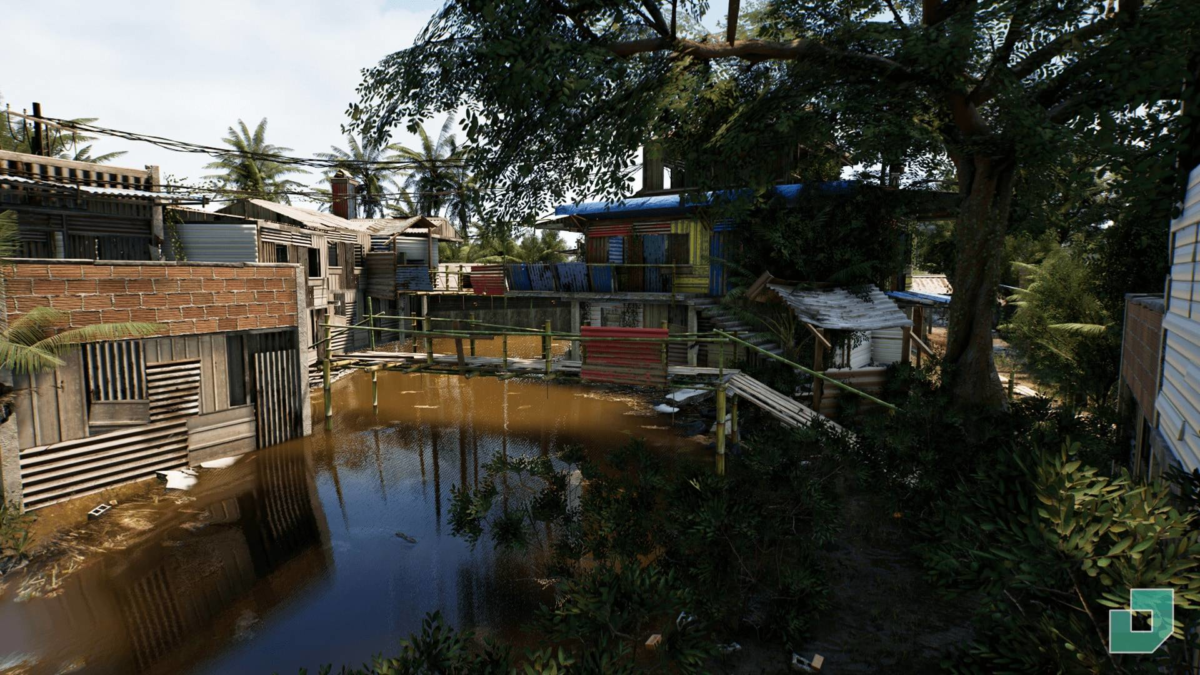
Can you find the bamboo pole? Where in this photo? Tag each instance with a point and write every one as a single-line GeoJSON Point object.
{"type": "Point", "coordinates": [471, 324]}
{"type": "Point", "coordinates": [504, 353]}
{"type": "Point", "coordinates": [546, 346]}
{"type": "Point", "coordinates": [721, 429]}
{"type": "Point", "coordinates": [328, 385]}
{"type": "Point", "coordinates": [374, 373]}
{"type": "Point", "coordinates": [664, 345]}
{"type": "Point", "coordinates": [733, 422]}
{"type": "Point", "coordinates": [428, 344]}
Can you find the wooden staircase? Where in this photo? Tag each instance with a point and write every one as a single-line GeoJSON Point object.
{"type": "Point", "coordinates": [715, 315]}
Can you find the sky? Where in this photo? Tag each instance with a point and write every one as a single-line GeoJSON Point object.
{"type": "Point", "coordinates": [188, 70]}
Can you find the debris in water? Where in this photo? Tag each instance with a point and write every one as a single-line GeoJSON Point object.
{"type": "Point", "coordinates": [410, 391]}
{"type": "Point", "coordinates": [652, 427]}
{"type": "Point", "coordinates": [522, 407]}
{"type": "Point", "coordinates": [665, 409]}
{"type": "Point", "coordinates": [183, 479]}
{"type": "Point", "coordinates": [99, 511]}
{"type": "Point", "coordinates": [405, 537]}
{"type": "Point", "coordinates": [803, 665]}
{"type": "Point", "coordinates": [223, 463]}
{"type": "Point", "coordinates": [425, 407]}
{"type": "Point", "coordinates": [685, 395]}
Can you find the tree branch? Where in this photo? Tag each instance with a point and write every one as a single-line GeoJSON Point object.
{"type": "Point", "coordinates": [660, 23]}
{"type": "Point", "coordinates": [757, 50]}
{"type": "Point", "coordinates": [895, 14]}
{"type": "Point", "coordinates": [1056, 47]}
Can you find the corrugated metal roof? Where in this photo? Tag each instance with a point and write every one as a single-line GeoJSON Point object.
{"type": "Point", "coordinates": [919, 298]}
{"type": "Point", "coordinates": [309, 218]}
{"type": "Point", "coordinates": [91, 189]}
{"type": "Point", "coordinates": [839, 309]}
{"type": "Point", "coordinates": [441, 227]}
{"type": "Point", "coordinates": [679, 204]}
{"type": "Point", "coordinates": [933, 284]}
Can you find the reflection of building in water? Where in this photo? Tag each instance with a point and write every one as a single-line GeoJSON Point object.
{"type": "Point", "coordinates": [260, 538]}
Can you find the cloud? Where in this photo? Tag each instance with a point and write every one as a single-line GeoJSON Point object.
{"type": "Point", "coordinates": [188, 70]}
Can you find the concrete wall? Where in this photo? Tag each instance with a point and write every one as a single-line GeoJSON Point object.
{"type": "Point", "coordinates": [522, 313]}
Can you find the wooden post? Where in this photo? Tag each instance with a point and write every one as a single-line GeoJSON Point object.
{"type": "Point", "coordinates": [328, 383]}
{"type": "Point", "coordinates": [721, 360]}
{"type": "Point", "coordinates": [504, 352]}
{"type": "Point", "coordinates": [918, 328]}
{"type": "Point", "coordinates": [693, 327]}
{"type": "Point", "coordinates": [428, 343]}
{"type": "Point", "coordinates": [906, 343]}
{"type": "Point", "coordinates": [721, 429]}
{"type": "Point", "coordinates": [818, 386]}
{"type": "Point", "coordinates": [546, 347]}
{"type": "Point", "coordinates": [458, 350]}
{"type": "Point", "coordinates": [374, 373]}
{"type": "Point", "coordinates": [471, 327]}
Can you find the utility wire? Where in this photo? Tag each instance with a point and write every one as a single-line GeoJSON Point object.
{"type": "Point", "coordinates": [196, 148]}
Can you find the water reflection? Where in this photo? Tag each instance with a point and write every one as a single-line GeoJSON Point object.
{"type": "Point", "coordinates": [292, 557]}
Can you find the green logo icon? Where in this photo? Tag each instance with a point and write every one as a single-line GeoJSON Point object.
{"type": "Point", "coordinates": [1159, 603]}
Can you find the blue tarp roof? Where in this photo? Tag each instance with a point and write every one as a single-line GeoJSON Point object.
{"type": "Point", "coordinates": [678, 204]}
{"type": "Point", "coordinates": [919, 298]}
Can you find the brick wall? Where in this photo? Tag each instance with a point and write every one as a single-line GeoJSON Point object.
{"type": "Point", "coordinates": [187, 298]}
{"type": "Point", "coordinates": [1140, 354]}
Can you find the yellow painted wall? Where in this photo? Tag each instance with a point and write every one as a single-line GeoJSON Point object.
{"type": "Point", "coordinates": [697, 281]}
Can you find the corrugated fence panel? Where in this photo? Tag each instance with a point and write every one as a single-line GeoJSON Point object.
{"type": "Point", "coordinates": [887, 346]}
{"type": "Point", "coordinates": [602, 279]}
{"type": "Point", "coordinates": [53, 473]}
{"type": "Point", "coordinates": [573, 277]}
{"type": "Point", "coordinates": [696, 280]}
{"type": "Point", "coordinates": [487, 279]}
{"type": "Point", "coordinates": [219, 242]}
{"type": "Point", "coordinates": [654, 247]}
{"type": "Point", "coordinates": [541, 277]}
{"type": "Point", "coordinates": [623, 361]}
{"type": "Point", "coordinates": [174, 389]}
{"type": "Point", "coordinates": [518, 277]}
{"type": "Point", "coordinates": [115, 370]}
{"type": "Point", "coordinates": [276, 398]}
{"type": "Point", "coordinates": [413, 278]}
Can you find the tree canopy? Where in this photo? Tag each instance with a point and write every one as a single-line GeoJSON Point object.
{"type": "Point", "coordinates": [980, 96]}
{"type": "Point", "coordinates": [250, 173]}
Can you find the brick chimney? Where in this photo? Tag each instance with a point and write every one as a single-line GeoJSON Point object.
{"type": "Point", "coordinates": [345, 199]}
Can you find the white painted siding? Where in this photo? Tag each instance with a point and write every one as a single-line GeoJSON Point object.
{"type": "Point", "coordinates": [886, 346]}
{"type": "Point", "coordinates": [1178, 402]}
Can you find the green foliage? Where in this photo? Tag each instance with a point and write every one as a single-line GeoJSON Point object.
{"type": "Point", "coordinates": [438, 649]}
{"type": "Point", "coordinates": [358, 161]}
{"type": "Point", "coordinates": [439, 182]}
{"type": "Point", "coordinates": [16, 135]}
{"type": "Point", "coordinates": [821, 237]}
{"type": "Point", "coordinates": [14, 534]}
{"type": "Point", "coordinates": [1063, 331]}
{"type": "Point", "coordinates": [546, 247]}
{"type": "Point", "coordinates": [35, 343]}
{"type": "Point", "coordinates": [252, 172]}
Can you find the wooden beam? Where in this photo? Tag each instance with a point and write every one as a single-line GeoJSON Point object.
{"type": "Point", "coordinates": [920, 343]}
{"type": "Point", "coordinates": [817, 334]}
{"type": "Point", "coordinates": [731, 28]}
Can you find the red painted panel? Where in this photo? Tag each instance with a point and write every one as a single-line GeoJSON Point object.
{"type": "Point", "coordinates": [623, 361]}
{"type": "Point", "coordinates": [488, 280]}
{"type": "Point", "coordinates": [610, 230]}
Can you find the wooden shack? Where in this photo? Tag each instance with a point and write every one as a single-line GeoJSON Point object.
{"type": "Point", "coordinates": [81, 210]}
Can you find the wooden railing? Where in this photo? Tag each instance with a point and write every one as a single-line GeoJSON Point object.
{"type": "Point", "coordinates": [75, 173]}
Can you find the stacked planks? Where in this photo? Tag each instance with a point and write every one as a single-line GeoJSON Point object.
{"type": "Point", "coordinates": [781, 407]}
{"type": "Point", "coordinates": [624, 361]}
{"type": "Point", "coordinates": [869, 380]}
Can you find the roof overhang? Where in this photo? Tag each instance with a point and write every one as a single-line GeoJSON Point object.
{"type": "Point", "coordinates": [842, 309]}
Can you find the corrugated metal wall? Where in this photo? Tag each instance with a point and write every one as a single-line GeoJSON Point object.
{"type": "Point", "coordinates": [219, 242]}
{"type": "Point", "coordinates": [887, 346]}
{"type": "Point", "coordinates": [1178, 403]}
{"type": "Point", "coordinates": [697, 280]}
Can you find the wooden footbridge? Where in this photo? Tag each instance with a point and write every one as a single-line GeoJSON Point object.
{"type": "Point", "coordinates": [635, 356]}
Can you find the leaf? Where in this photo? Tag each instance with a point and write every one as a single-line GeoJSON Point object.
{"type": "Point", "coordinates": [1120, 546]}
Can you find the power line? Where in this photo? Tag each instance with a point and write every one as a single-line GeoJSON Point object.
{"type": "Point", "coordinates": [197, 148]}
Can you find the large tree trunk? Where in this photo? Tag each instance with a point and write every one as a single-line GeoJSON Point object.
{"type": "Point", "coordinates": [969, 371]}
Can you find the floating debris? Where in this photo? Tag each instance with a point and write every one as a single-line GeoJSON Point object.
{"type": "Point", "coordinates": [652, 427]}
{"type": "Point", "coordinates": [425, 407]}
{"type": "Point", "coordinates": [405, 537]}
{"type": "Point", "coordinates": [183, 479]}
{"type": "Point", "coordinates": [685, 395]}
{"type": "Point", "coordinates": [665, 409]}
{"type": "Point", "coordinates": [409, 391]}
{"type": "Point", "coordinates": [99, 511]}
{"type": "Point", "coordinates": [802, 665]}
{"type": "Point", "coordinates": [223, 463]}
{"type": "Point", "coordinates": [522, 407]}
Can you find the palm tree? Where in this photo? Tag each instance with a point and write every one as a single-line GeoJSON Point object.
{"type": "Point", "coordinates": [439, 182]}
{"type": "Point", "coordinates": [358, 161]}
{"type": "Point", "coordinates": [31, 344]}
{"type": "Point", "coordinates": [250, 172]}
{"type": "Point", "coordinates": [17, 136]}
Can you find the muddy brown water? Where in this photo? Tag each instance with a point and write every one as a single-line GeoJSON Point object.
{"type": "Point", "coordinates": [290, 557]}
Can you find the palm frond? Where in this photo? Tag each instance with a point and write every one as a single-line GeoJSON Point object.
{"type": "Point", "coordinates": [26, 359]}
{"type": "Point", "coordinates": [9, 234]}
{"type": "Point", "coordinates": [60, 342]}
{"type": "Point", "coordinates": [1089, 329]}
{"type": "Point", "coordinates": [31, 328]}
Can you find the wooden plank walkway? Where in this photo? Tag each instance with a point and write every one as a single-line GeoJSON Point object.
{"type": "Point", "coordinates": [786, 410]}
{"type": "Point", "coordinates": [495, 365]}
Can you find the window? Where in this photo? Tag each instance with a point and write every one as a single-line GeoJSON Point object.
{"type": "Point", "coordinates": [236, 361]}
{"type": "Point", "coordinates": [314, 262]}
{"type": "Point", "coordinates": [281, 253]}
{"type": "Point", "coordinates": [333, 256]}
